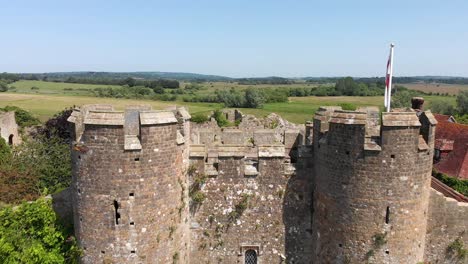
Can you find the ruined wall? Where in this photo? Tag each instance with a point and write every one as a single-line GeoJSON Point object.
{"type": "Point", "coordinates": [447, 221]}
{"type": "Point", "coordinates": [130, 190]}
{"type": "Point", "coordinates": [370, 194]}
{"type": "Point", "coordinates": [9, 128]}
{"type": "Point", "coordinates": [276, 217]}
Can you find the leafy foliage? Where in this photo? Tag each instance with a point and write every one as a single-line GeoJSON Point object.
{"type": "Point", "coordinates": [5, 151]}
{"type": "Point", "coordinates": [57, 126]}
{"type": "Point", "coordinates": [40, 165]}
{"type": "Point", "coordinates": [457, 248]}
{"type": "Point", "coordinates": [441, 107]}
{"type": "Point", "coordinates": [48, 159]}
{"type": "Point", "coordinates": [458, 185]}
{"type": "Point", "coordinates": [254, 98]}
{"type": "Point", "coordinates": [402, 97]}
{"type": "Point", "coordinates": [3, 86]}
{"type": "Point", "coordinates": [220, 118]}
{"type": "Point", "coordinates": [462, 102]}
{"type": "Point", "coordinates": [239, 208]}
{"type": "Point", "coordinates": [30, 233]}
{"type": "Point", "coordinates": [23, 117]}
{"type": "Point", "coordinates": [199, 118]}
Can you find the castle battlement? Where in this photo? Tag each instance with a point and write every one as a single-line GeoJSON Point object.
{"type": "Point", "coordinates": [367, 128]}
{"type": "Point", "coordinates": [131, 120]}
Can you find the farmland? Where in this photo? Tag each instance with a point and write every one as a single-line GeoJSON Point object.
{"type": "Point", "coordinates": [49, 97]}
{"type": "Point", "coordinates": [440, 88]}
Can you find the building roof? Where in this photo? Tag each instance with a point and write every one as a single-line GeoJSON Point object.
{"type": "Point", "coordinates": [456, 162]}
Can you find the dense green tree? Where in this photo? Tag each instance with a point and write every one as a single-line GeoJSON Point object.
{"type": "Point", "coordinates": [3, 86]}
{"type": "Point", "coordinates": [462, 102]}
{"type": "Point", "coordinates": [231, 98]}
{"type": "Point", "coordinates": [48, 159]}
{"type": "Point", "coordinates": [441, 107]}
{"type": "Point", "coordinates": [31, 234]}
{"type": "Point", "coordinates": [401, 99]}
{"type": "Point", "coordinates": [254, 98]}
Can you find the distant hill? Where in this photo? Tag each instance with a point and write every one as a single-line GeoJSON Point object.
{"type": "Point", "coordinates": [196, 77]}
{"type": "Point", "coordinates": [138, 75]}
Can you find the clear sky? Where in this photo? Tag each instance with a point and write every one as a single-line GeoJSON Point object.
{"type": "Point", "coordinates": [237, 38]}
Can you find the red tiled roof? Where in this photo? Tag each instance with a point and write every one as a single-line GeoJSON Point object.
{"type": "Point", "coordinates": [444, 144]}
{"type": "Point", "coordinates": [456, 162]}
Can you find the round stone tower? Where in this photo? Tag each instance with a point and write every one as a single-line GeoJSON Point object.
{"type": "Point", "coordinates": [129, 185]}
{"type": "Point", "coordinates": [371, 185]}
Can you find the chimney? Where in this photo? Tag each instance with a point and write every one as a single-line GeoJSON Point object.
{"type": "Point", "coordinates": [417, 103]}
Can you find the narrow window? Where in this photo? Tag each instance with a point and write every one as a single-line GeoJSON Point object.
{"type": "Point", "coordinates": [131, 194]}
{"type": "Point", "coordinates": [10, 140]}
{"type": "Point", "coordinates": [103, 252]}
{"type": "Point", "coordinates": [137, 159]}
{"type": "Point", "coordinates": [250, 257]}
{"type": "Point", "coordinates": [387, 215]}
{"type": "Point", "coordinates": [132, 223]}
{"type": "Point", "coordinates": [117, 214]}
{"type": "Point", "coordinates": [133, 251]}
{"type": "Point", "coordinates": [387, 252]}
{"type": "Point", "coordinates": [392, 156]}
{"type": "Point", "coordinates": [347, 152]}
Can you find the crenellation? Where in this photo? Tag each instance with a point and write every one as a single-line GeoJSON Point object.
{"type": "Point", "coordinates": [349, 187]}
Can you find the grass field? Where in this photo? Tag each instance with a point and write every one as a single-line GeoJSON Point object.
{"type": "Point", "coordinates": [45, 106]}
{"type": "Point", "coordinates": [451, 89]}
{"type": "Point", "coordinates": [24, 86]}
{"type": "Point", "coordinates": [51, 98]}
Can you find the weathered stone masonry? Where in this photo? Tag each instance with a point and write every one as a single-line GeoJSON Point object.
{"type": "Point", "coordinates": [347, 188]}
{"type": "Point", "coordinates": [130, 201]}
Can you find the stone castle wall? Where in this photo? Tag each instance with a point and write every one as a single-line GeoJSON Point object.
{"type": "Point", "coordinates": [370, 191]}
{"type": "Point", "coordinates": [276, 221]}
{"type": "Point", "coordinates": [130, 190]}
{"type": "Point", "coordinates": [9, 128]}
{"type": "Point", "coordinates": [447, 221]}
{"type": "Point", "coordinates": [345, 189]}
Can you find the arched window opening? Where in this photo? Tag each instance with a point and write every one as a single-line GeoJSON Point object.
{"type": "Point", "coordinates": [10, 140]}
{"type": "Point", "coordinates": [250, 257]}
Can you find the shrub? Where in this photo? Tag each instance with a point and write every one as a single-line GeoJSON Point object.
{"type": "Point", "coordinates": [200, 118]}
{"type": "Point", "coordinates": [48, 159]}
{"type": "Point", "coordinates": [5, 152]}
{"type": "Point", "coordinates": [31, 234]}
{"type": "Point", "coordinates": [348, 106]}
{"type": "Point", "coordinates": [57, 126]}
{"type": "Point", "coordinates": [458, 185]}
{"type": "Point", "coordinates": [220, 118]}
{"type": "Point", "coordinates": [3, 86]}
{"type": "Point", "coordinates": [457, 248]}
{"type": "Point", "coordinates": [254, 98]}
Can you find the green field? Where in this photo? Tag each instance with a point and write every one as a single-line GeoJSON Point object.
{"type": "Point", "coordinates": [51, 98]}
{"type": "Point", "coordinates": [59, 88]}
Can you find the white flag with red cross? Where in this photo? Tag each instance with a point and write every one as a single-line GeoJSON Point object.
{"type": "Point", "coordinates": [388, 79]}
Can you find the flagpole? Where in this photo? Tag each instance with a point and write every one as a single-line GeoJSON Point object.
{"type": "Point", "coordinates": [389, 93]}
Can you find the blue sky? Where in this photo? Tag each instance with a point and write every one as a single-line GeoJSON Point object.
{"type": "Point", "coordinates": [236, 38]}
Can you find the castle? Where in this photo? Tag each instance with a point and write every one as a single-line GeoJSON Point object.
{"type": "Point", "coordinates": [350, 187]}
{"type": "Point", "coordinates": [9, 128]}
